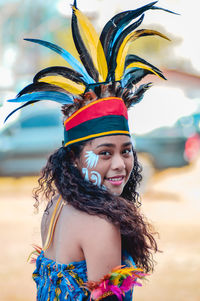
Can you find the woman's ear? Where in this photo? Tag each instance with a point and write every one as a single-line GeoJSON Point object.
{"type": "Point", "coordinates": [74, 160]}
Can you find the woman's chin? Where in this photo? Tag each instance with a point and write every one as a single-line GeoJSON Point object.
{"type": "Point", "coordinates": [114, 190]}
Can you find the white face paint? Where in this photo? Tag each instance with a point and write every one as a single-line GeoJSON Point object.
{"type": "Point", "coordinates": [95, 177]}
{"type": "Point", "coordinates": [91, 159]}
{"type": "Point", "coordinates": [85, 172]}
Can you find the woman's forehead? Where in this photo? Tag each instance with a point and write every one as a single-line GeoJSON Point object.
{"type": "Point", "coordinates": [112, 141]}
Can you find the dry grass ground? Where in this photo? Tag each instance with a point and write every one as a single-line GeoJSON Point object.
{"type": "Point", "coordinates": [171, 203]}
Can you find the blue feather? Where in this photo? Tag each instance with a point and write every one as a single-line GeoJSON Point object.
{"type": "Point", "coordinates": [67, 56]}
{"type": "Point", "coordinates": [24, 105]}
{"type": "Point", "coordinates": [134, 75]}
{"type": "Point", "coordinates": [119, 31]}
{"type": "Point", "coordinates": [166, 10]}
{"type": "Point", "coordinates": [37, 96]}
{"type": "Point", "coordinates": [45, 95]}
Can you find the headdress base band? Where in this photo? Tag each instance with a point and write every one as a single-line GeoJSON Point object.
{"type": "Point", "coordinates": [97, 136]}
{"type": "Point", "coordinates": [106, 116]}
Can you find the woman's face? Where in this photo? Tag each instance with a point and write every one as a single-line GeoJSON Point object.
{"type": "Point", "coordinates": [107, 162]}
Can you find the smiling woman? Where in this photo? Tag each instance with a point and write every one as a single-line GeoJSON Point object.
{"type": "Point", "coordinates": [97, 180]}
{"type": "Point", "coordinates": [96, 243]}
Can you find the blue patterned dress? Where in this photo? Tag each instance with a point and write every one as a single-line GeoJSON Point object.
{"type": "Point", "coordinates": [63, 282]}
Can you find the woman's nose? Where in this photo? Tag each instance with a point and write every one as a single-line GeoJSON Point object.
{"type": "Point", "coordinates": [118, 162]}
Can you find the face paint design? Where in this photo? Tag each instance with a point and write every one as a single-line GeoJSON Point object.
{"type": "Point", "coordinates": [96, 177]}
{"type": "Point", "coordinates": [92, 159]}
{"type": "Point", "coordinates": [85, 172]}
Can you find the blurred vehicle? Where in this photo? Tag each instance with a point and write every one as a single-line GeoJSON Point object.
{"type": "Point", "coordinates": [173, 146]}
{"type": "Point", "coordinates": [192, 145]}
{"type": "Point", "coordinates": [26, 143]}
{"type": "Point", "coordinates": [163, 147]}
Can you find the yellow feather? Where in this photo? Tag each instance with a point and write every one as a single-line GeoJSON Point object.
{"type": "Point", "coordinates": [116, 280]}
{"type": "Point", "coordinates": [123, 50]}
{"type": "Point", "coordinates": [128, 271]}
{"type": "Point", "coordinates": [94, 44]}
{"type": "Point", "coordinates": [64, 83]}
{"type": "Point", "coordinates": [142, 66]}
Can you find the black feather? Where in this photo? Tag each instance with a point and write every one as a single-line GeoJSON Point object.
{"type": "Point", "coordinates": [75, 4]}
{"type": "Point", "coordinates": [134, 76]}
{"type": "Point", "coordinates": [131, 58]}
{"type": "Point", "coordinates": [118, 22]}
{"type": "Point", "coordinates": [138, 95]}
{"type": "Point", "coordinates": [82, 50]}
{"type": "Point", "coordinates": [39, 86]}
{"type": "Point", "coordinates": [59, 70]}
{"type": "Point", "coordinates": [112, 63]}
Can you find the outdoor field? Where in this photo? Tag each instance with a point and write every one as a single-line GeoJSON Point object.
{"type": "Point", "coordinates": [172, 204]}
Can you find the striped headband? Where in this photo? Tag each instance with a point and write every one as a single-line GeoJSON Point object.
{"type": "Point", "coordinates": [103, 117]}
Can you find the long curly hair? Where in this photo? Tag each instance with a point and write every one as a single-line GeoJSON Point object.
{"type": "Point", "coordinates": [61, 176]}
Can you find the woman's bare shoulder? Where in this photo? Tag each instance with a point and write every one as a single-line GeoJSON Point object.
{"type": "Point", "coordinates": [100, 241]}
{"type": "Point", "coordinates": [86, 220]}
{"type": "Point", "coordinates": [87, 225]}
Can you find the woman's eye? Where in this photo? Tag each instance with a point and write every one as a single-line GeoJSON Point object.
{"type": "Point", "coordinates": [127, 151]}
{"type": "Point", "coordinates": [105, 153]}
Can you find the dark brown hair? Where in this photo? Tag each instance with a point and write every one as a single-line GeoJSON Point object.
{"type": "Point", "coordinates": [61, 176]}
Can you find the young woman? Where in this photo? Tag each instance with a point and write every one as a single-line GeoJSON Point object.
{"type": "Point", "coordinates": [96, 243]}
{"type": "Point", "coordinates": [92, 223]}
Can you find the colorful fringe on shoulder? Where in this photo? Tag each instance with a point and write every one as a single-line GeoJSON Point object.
{"type": "Point", "coordinates": [34, 254]}
{"type": "Point", "coordinates": [119, 281]}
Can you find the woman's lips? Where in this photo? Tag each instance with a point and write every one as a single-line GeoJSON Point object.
{"type": "Point", "coordinates": [117, 180]}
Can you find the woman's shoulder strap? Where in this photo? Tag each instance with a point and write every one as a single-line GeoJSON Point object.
{"type": "Point", "coordinates": [60, 203]}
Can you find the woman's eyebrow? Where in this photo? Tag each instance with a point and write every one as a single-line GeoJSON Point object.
{"type": "Point", "coordinates": [127, 143]}
{"type": "Point", "coordinates": [106, 144]}
{"type": "Point", "coordinates": [113, 145]}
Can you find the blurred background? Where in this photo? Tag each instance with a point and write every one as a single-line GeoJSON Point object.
{"type": "Point", "coordinates": [165, 128]}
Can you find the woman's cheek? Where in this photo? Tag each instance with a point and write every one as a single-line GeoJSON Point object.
{"type": "Point", "coordinates": [89, 172]}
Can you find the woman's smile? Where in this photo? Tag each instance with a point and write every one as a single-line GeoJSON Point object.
{"type": "Point", "coordinates": [117, 180]}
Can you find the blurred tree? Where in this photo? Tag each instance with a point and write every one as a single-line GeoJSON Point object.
{"type": "Point", "coordinates": [25, 19]}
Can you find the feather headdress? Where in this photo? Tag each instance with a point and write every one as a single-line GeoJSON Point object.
{"type": "Point", "coordinates": [105, 61]}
